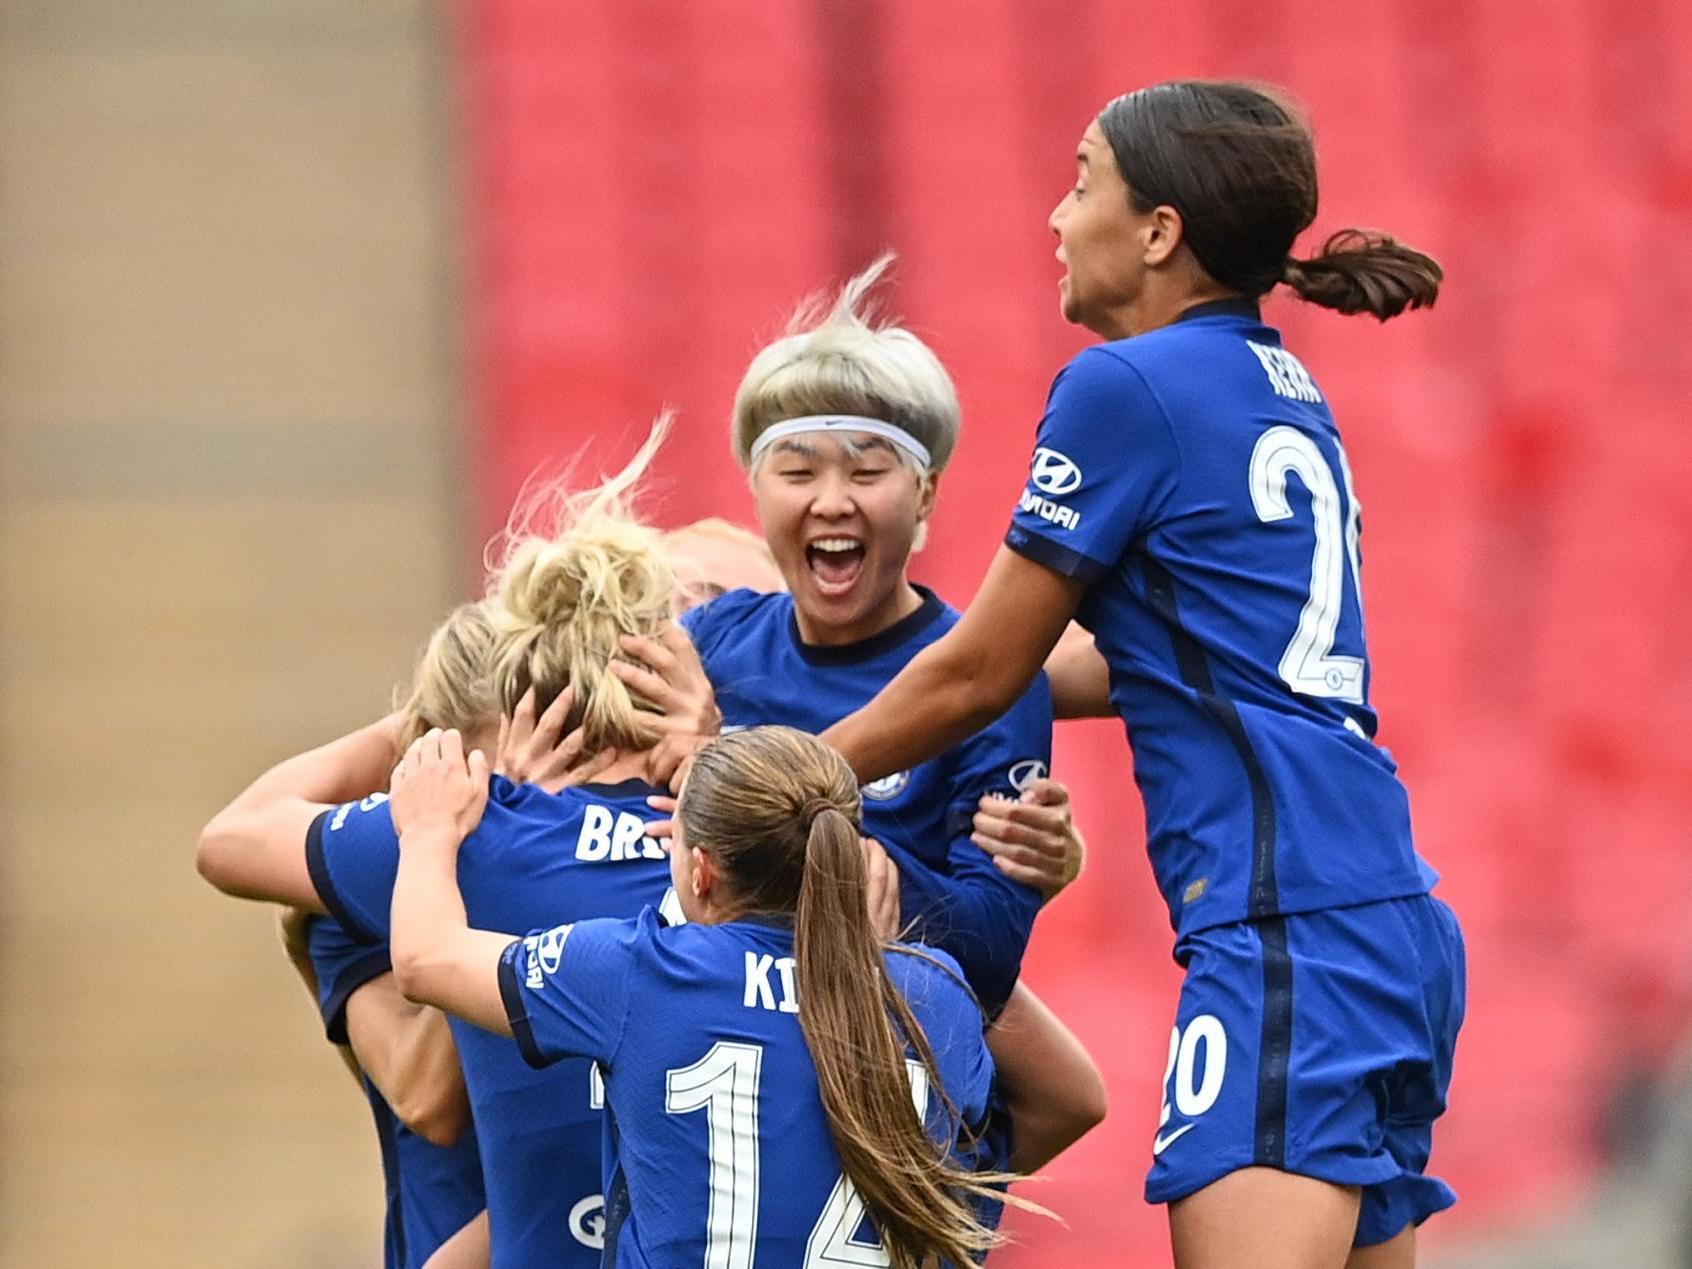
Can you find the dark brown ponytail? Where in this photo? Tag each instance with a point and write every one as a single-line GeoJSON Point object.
{"type": "Point", "coordinates": [1357, 271]}
{"type": "Point", "coordinates": [780, 812]}
{"type": "Point", "coordinates": [1239, 164]}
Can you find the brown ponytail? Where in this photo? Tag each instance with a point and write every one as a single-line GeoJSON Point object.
{"type": "Point", "coordinates": [780, 812]}
{"type": "Point", "coordinates": [857, 1024]}
{"type": "Point", "coordinates": [1362, 271]}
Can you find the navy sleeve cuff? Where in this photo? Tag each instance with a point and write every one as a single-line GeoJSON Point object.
{"type": "Point", "coordinates": [318, 866]}
{"type": "Point", "coordinates": [365, 969]}
{"type": "Point", "coordinates": [1060, 559]}
{"type": "Point", "coordinates": [511, 995]}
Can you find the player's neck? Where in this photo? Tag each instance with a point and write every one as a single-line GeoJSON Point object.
{"type": "Point", "coordinates": [1161, 300]}
{"type": "Point", "coordinates": [900, 603]}
{"type": "Point", "coordinates": [630, 766]}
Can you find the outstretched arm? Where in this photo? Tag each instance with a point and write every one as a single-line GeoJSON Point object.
{"type": "Point", "coordinates": [438, 799]}
{"type": "Point", "coordinates": [963, 681]}
{"type": "Point", "coordinates": [254, 848]}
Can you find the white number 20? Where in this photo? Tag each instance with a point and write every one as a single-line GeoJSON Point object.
{"type": "Point", "coordinates": [1194, 1095]}
{"type": "Point", "coordinates": [1309, 665]}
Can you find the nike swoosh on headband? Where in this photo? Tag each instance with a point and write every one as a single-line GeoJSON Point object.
{"type": "Point", "coordinates": [891, 432]}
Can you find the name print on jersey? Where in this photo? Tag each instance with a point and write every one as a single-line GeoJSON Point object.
{"type": "Point", "coordinates": [761, 992]}
{"type": "Point", "coordinates": [609, 836]}
{"type": "Point", "coordinates": [1286, 372]}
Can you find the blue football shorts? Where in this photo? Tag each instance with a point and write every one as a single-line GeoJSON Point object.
{"type": "Point", "coordinates": [1320, 1044]}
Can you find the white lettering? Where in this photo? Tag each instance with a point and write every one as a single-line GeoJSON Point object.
{"type": "Point", "coordinates": [1287, 375]}
{"type": "Point", "coordinates": [789, 993]}
{"type": "Point", "coordinates": [625, 840]}
{"type": "Point", "coordinates": [594, 844]}
{"type": "Point", "coordinates": [1052, 512]}
{"type": "Point", "coordinates": [758, 993]}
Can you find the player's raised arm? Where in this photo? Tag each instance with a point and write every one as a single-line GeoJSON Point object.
{"type": "Point", "coordinates": [255, 847]}
{"type": "Point", "coordinates": [438, 799]}
{"type": "Point", "coordinates": [967, 678]}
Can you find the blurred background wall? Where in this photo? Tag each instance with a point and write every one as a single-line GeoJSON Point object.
{"type": "Point", "coordinates": [229, 471]}
{"type": "Point", "coordinates": [256, 420]}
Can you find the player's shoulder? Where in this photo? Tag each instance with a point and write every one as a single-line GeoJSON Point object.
{"type": "Point", "coordinates": [708, 623]}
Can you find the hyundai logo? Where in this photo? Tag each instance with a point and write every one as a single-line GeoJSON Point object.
{"type": "Point", "coordinates": [1053, 473]}
{"type": "Point", "coordinates": [1024, 773]}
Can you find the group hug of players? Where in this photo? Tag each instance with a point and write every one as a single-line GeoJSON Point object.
{"type": "Point", "coordinates": [674, 941]}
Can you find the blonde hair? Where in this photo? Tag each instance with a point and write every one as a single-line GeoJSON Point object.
{"type": "Point", "coordinates": [562, 601]}
{"type": "Point", "coordinates": [779, 811]}
{"type": "Point", "coordinates": [838, 358]}
{"type": "Point", "coordinates": [451, 687]}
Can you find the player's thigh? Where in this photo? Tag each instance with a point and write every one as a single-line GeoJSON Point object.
{"type": "Point", "coordinates": [1267, 1219]}
{"type": "Point", "coordinates": [1398, 1252]}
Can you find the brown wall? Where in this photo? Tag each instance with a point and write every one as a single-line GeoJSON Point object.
{"type": "Point", "coordinates": [227, 517]}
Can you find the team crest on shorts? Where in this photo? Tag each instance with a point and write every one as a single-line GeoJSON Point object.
{"type": "Point", "coordinates": [887, 787]}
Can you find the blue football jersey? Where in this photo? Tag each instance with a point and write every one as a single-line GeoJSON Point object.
{"type": "Point", "coordinates": [432, 1191]}
{"type": "Point", "coordinates": [724, 1150]}
{"type": "Point", "coordinates": [1193, 479]}
{"type": "Point", "coordinates": [763, 672]}
{"type": "Point", "coordinates": [535, 859]}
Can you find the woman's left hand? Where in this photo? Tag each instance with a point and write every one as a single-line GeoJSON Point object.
{"type": "Point", "coordinates": [530, 750]}
{"type": "Point", "coordinates": [1034, 839]}
{"type": "Point", "coordinates": [667, 672]}
{"type": "Point", "coordinates": [435, 792]}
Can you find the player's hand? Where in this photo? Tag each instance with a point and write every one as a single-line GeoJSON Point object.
{"type": "Point", "coordinates": [661, 830]}
{"type": "Point", "coordinates": [1034, 839]}
{"type": "Point", "coordinates": [436, 794]}
{"type": "Point", "coordinates": [530, 750]}
{"type": "Point", "coordinates": [882, 889]}
{"type": "Point", "coordinates": [666, 671]}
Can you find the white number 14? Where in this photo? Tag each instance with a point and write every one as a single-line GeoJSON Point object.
{"type": "Point", "coordinates": [724, 1084]}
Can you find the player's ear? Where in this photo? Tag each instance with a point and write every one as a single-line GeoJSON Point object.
{"type": "Point", "coordinates": [703, 874]}
{"type": "Point", "coordinates": [1161, 234]}
{"type": "Point", "coordinates": [930, 490]}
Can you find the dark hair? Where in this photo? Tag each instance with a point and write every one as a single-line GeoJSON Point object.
{"type": "Point", "coordinates": [1240, 166]}
{"type": "Point", "coordinates": [780, 811]}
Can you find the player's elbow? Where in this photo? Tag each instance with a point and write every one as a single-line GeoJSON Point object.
{"type": "Point", "coordinates": [1044, 1128]}
{"type": "Point", "coordinates": [411, 968]}
{"type": "Point", "coordinates": [418, 971]}
{"type": "Point", "coordinates": [438, 1112]}
{"type": "Point", "coordinates": [217, 853]}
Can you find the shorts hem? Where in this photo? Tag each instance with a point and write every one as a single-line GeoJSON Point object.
{"type": "Point", "coordinates": [1359, 1174]}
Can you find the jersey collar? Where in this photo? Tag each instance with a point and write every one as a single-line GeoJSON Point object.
{"type": "Point", "coordinates": [866, 649]}
{"type": "Point", "coordinates": [1233, 306]}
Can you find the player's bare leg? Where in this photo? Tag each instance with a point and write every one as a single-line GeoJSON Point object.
{"type": "Point", "coordinates": [1267, 1219]}
{"type": "Point", "coordinates": [1397, 1252]}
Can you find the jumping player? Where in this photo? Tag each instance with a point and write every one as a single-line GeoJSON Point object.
{"type": "Point", "coordinates": [773, 1071]}
{"type": "Point", "coordinates": [1189, 501]}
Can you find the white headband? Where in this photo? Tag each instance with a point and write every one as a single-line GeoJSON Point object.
{"type": "Point", "coordinates": [841, 423]}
